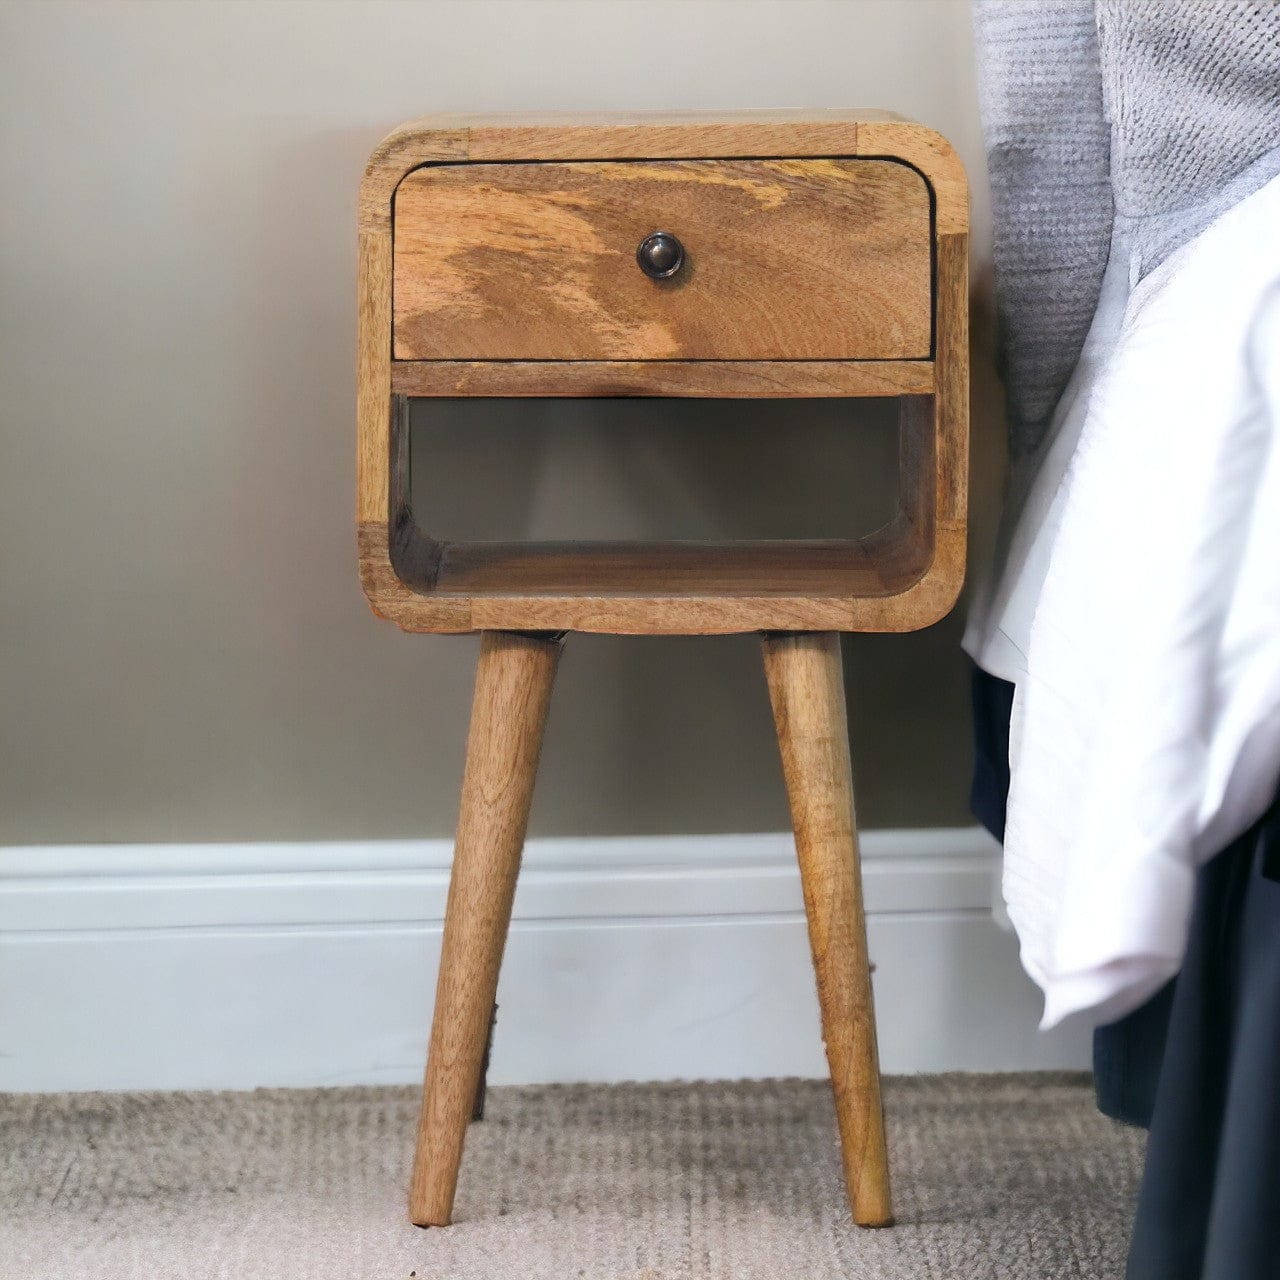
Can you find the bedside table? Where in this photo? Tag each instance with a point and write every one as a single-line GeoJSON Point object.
{"type": "Point", "coordinates": [769, 255]}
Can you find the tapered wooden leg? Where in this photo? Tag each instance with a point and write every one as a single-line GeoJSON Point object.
{"type": "Point", "coordinates": [806, 687]}
{"type": "Point", "coordinates": [513, 689]}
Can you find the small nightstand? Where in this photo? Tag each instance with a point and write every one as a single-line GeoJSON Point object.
{"type": "Point", "coordinates": [749, 255]}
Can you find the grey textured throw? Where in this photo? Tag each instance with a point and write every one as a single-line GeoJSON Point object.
{"type": "Point", "coordinates": [1040, 83]}
{"type": "Point", "coordinates": [1142, 118]}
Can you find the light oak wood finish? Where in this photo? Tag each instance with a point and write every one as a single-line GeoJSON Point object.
{"type": "Point", "coordinates": [706, 588]}
{"type": "Point", "coordinates": [693, 379]}
{"type": "Point", "coordinates": [502, 249]}
{"type": "Point", "coordinates": [513, 690]}
{"type": "Point", "coordinates": [663, 134]}
{"type": "Point", "coordinates": [785, 260]}
{"type": "Point", "coordinates": [806, 688]}
{"type": "Point", "coordinates": [904, 577]}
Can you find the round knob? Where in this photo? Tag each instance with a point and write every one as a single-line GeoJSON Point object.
{"type": "Point", "coordinates": [660, 255]}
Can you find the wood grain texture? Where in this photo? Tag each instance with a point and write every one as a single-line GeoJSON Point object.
{"type": "Point", "coordinates": [806, 689]}
{"type": "Point", "coordinates": [675, 569]}
{"type": "Point", "coordinates": [931, 155]}
{"type": "Point", "coordinates": [663, 136]}
{"type": "Point", "coordinates": [651, 588]}
{"type": "Point", "coordinates": [409, 145]}
{"type": "Point", "coordinates": [701, 379]}
{"type": "Point", "coordinates": [511, 269]}
{"type": "Point", "coordinates": [655, 135]}
{"type": "Point", "coordinates": [785, 260]}
{"type": "Point", "coordinates": [905, 576]}
{"type": "Point", "coordinates": [513, 690]}
{"type": "Point", "coordinates": [669, 134]}
{"type": "Point", "coordinates": [951, 394]}
{"type": "Point", "coordinates": [400, 151]}
{"type": "Point", "coordinates": [934, 450]}
{"type": "Point", "coordinates": [373, 376]}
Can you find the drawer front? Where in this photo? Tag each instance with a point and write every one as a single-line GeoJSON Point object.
{"type": "Point", "coordinates": [812, 259]}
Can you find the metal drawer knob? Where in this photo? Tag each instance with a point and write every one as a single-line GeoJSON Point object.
{"type": "Point", "coordinates": [660, 255]}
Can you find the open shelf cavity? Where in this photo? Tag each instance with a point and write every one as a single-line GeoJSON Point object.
{"type": "Point", "coordinates": [589, 497]}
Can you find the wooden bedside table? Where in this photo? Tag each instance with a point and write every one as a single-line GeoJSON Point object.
{"type": "Point", "coordinates": [749, 255]}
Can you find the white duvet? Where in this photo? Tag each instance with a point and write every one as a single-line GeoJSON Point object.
{"type": "Point", "coordinates": [1139, 616]}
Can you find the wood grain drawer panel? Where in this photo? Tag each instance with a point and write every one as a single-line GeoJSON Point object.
{"type": "Point", "coordinates": [795, 259]}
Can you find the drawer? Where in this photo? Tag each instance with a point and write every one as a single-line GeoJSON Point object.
{"type": "Point", "coordinates": [795, 259]}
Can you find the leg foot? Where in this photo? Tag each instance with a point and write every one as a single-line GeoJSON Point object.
{"type": "Point", "coordinates": [513, 690]}
{"type": "Point", "coordinates": [806, 688]}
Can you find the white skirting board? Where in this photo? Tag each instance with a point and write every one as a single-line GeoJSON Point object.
{"type": "Point", "coordinates": [237, 966]}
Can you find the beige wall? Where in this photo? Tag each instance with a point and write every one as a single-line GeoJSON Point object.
{"type": "Point", "coordinates": [186, 653]}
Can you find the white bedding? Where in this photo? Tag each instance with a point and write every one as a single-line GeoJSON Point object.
{"type": "Point", "coordinates": [1139, 617]}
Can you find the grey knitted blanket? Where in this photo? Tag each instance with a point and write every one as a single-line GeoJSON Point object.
{"type": "Point", "coordinates": [1152, 116]}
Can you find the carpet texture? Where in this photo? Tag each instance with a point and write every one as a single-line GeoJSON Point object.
{"type": "Point", "coordinates": [994, 1176]}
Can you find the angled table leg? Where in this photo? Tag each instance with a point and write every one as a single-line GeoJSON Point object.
{"type": "Point", "coordinates": [513, 690]}
{"type": "Point", "coordinates": [806, 687]}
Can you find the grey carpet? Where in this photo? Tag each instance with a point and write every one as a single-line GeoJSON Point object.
{"type": "Point", "coordinates": [995, 1176]}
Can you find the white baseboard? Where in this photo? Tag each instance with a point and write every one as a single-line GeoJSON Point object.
{"type": "Point", "coordinates": [235, 966]}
